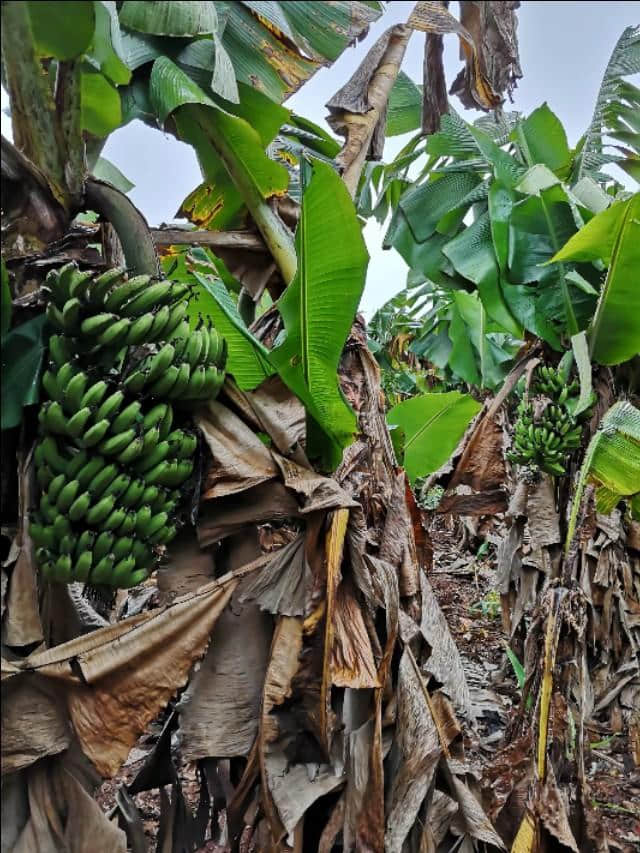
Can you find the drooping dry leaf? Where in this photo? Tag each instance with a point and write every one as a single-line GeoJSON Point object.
{"type": "Point", "coordinates": [471, 817]}
{"type": "Point", "coordinates": [360, 746]}
{"type": "Point", "coordinates": [219, 710]}
{"type": "Point", "coordinates": [282, 586]}
{"type": "Point", "coordinates": [543, 520]}
{"type": "Point", "coordinates": [111, 701]}
{"type": "Point", "coordinates": [226, 516]}
{"type": "Point", "coordinates": [34, 723]}
{"type": "Point", "coordinates": [493, 27]}
{"type": "Point", "coordinates": [240, 459]}
{"type": "Point", "coordinates": [22, 625]}
{"type": "Point", "coordinates": [64, 817]}
{"type": "Point", "coordinates": [186, 567]}
{"type": "Point", "coordinates": [273, 409]}
{"type": "Point", "coordinates": [398, 546]}
{"type": "Point", "coordinates": [315, 492]}
{"type": "Point", "coordinates": [441, 812]}
{"type": "Point", "coordinates": [482, 464]}
{"type": "Point", "coordinates": [283, 665]}
{"type": "Point", "coordinates": [358, 111]}
{"type": "Point", "coordinates": [352, 663]}
{"type": "Point", "coordinates": [414, 757]}
{"type": "Point", "coordinates": [294, 788]}
{"type": "Point", "coordinates": [444, 662]}
{"type": "Point", "coordinates": [552, 807]}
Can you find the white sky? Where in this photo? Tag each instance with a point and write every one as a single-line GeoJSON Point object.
{"type": "Point", "coordinates": [564, 47]}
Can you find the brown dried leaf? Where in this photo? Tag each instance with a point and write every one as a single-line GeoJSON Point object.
{"type": "Point", "coordinates": [352, 663]}
{"type": "Point", "coordinates": [315, 491]}
{"type": "Point", "coordinates": [552, 809]}
{"type": "Point", "coordinates": [219, 710]}
{"type": "Point", "coordinates": [118, 678]}
{"type": "Point", "coordinates": [283, 665]}
{"type": "Point", "coordinates": [240, 459]}
{"type": "Point", "coordinates": [543, 519]}
{"type": "Point", "coordinates": [272, 408]}
{"type": "Point", "coordinates": [414, 756]}
{"type": "Point", "coordinates": [266, 502]}
{"type": "Point", "coordinates": [471, 817]}
{"type": "Point", "coordinates": [282, 586]}
{"type": "Point", "coordinates": [398, 546]}
{"type": "Point", "coordinates": [187, 567]}
{"type": "Point", "coordinates": [358, 111]}
{"type": "Point", "coordinates": [34, 724]}
{"type": "Point", "coordinates": [64, 817]}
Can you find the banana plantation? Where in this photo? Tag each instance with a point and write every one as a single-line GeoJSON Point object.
{"type": "Point", "coordinates": [276, 578]}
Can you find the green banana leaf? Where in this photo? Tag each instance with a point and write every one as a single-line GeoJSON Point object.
{"type": "Point", "coordinates": [404, 110]}
{"type": "Point", "coordinates": [612, 236]}
{"type": "Point", "coordinates": [319, 305]}
{"type": "Point", "coordinates": [22, 352]}
{"type": "Point", "coordinates": [612, 462]}
{"type": "Point", "coordinates": [432, 424]}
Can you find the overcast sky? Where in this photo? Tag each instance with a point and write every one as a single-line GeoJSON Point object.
{"type": "Point", "coordinates": [564, 48]}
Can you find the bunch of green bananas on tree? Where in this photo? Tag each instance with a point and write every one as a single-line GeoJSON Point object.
{"type": "Point", "coordinates": [546, 432]}
{"type": "Point", "coordinates": [110, 459]}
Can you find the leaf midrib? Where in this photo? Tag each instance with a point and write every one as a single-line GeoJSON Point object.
{"type": "Point", "coordinates": [429, 422]}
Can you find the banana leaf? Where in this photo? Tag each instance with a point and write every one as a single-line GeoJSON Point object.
{"type": "Point", "coordinates": [432, 426]}
{"type": "Point", "coordinates": [612, 236]}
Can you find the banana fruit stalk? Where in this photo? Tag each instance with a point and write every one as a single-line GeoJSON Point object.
{"type": "Point", "coordinates": [110, 459]}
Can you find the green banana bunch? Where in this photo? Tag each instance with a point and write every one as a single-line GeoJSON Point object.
{"type": "Point", "coordinates": [544, 436]}
{"type": "Point", "coordinates": [188, 368]}
{"type": "Point", "coordinates": [110, 460]}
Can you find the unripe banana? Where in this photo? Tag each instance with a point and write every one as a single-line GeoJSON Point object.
{"type": "Point", "coordinates": [135, 382]}
{"type": "Point", "coordinates": [133, 495]}
{"type": "Point", "coordinates": [102, 571]}
{"type": "Point", "coordinates": [163, 535]}
{"type": "Point", "coordinates": [122, 547]}
{"type": "Point", "coordinates": [80, 506]}
{"type": "Point", "coordinates": [56, 486]}
{"type": "Point", "coordinates": [160, 452]}
{"type": "Point", "coordinates": [68, 544]}
{"type": "Point", "coordinates": [162, 386]}
{"type": "Point", "coordinates": [63, 569]}
{"type": "Point", "coordinates": [76, 425]}
{"type": "Point", "coordinates": [89, 471]}
{"type": "Point", "coordinates": [110, 406]}
{"type": "Point", "coordinates": [95, 433]}
{"type": "Point", "coordinates": [181, 384]}
{"type": "Point", "coordinates": [161, 320]}
{"type": "Point", "coordinates": [71, 315]}
{"type": "Point", "coordinates": [128, 523]}
{"type": "Point", "coordinates": [61, 526]}
{"type": "Point", "coordinates": [52, 456]}
{"type": "Point", "coordinates": [135, 578]}
{"type": "Point", "coordinates": [102, 479]}
{"type": "Point", "coordinates": [55, 318]}
{"type": "Point", "coordinates": [125, 291]}
{"type": "Point", "coordinates": [140, 329]}
{"type": "Point", "coordinates": [132, 451]}
{"type": "Point", "coordinates": [123, 570]}
{"type": "Point", "coordinates": [94, 394]}
{"type": "Point", "coordinates": [53, 418]}
{"type": "Point", "coordinates": [86, 542]}
{"type": "Point", "coordinates": [60, 350]}
{"type": "Point", "coordinates": [115, 333]}
{"type": "Point", "coordinates": [50, 384]}
{"type": "Point", "coordinates": [100, 511]}
{"type": "Point", "coordinates": [99, 288]}
{"type": "Point", "coordinates": [115, 444]}
{"type": "Point", "coordinates": [103, 545]}
{"type": "Point", "coordinates": [82, 567]}
{"type": "Point", "coordinates": [67, 496]}
{"type": "Point", "coordinates": [127, 417]}
{"type": "Point", "coordinates": [118, 486]}
{"type": "Point", "coordinates": [114, 519]}
{"type": "Point", "coordinates": [97, 323]}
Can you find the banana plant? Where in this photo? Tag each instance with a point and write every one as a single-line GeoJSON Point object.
{"type": "Point", "coordinates": [489, 213]}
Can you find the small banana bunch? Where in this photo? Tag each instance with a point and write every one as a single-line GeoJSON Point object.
{"type": "Point", "coordinates": [546, 432]}
{"type": "Point", "coordinates": [109, 311]}
{"type": "Point", "coordinates": [110, 460]}
{"type": "Point", "coordinates": [188, 367]}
